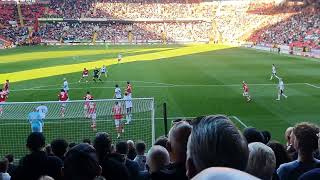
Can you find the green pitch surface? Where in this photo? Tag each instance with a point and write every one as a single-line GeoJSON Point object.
{"type": "Point", "coordinates": [193, 80]}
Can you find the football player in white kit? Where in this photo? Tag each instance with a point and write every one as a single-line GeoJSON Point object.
{"type": "Point", "coordinates": [281, 90]}
{"type": "Point", "coordinates": [117, 92]}
{"type": "Point", "coordinates": [273, 72]}
{"type": "Point", "coordinates": [128, 102]}
{"type": "Point", "coordinates": [103, 71]}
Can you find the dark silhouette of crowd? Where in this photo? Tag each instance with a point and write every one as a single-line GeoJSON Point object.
{"type": "Point", "coordinates": [207, 147]}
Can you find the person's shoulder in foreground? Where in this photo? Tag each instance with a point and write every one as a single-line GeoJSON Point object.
{"type": "Point", "coordinates": [311, 175]}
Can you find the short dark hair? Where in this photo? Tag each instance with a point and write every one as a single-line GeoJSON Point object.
{"type": "Point", "coordinates": [161, 141]}
{"type": "Point", "coordinates": [306, 137]}
{"type": "Point", "coordinates": [117, 85]}
{"type": "Point", "coordinates": [266, 136]}
{"type": "Point", "coordinates": [102, 144]}
{"type": "Point", "coordinates": [81, 163]}
{"type": "Point", "coordinates": [10, 158]}
{"type": "Point", "coordinates": [36, 141]}
{"type": "Point", "coordinates": [280, 152]}
{"type": "Point", "coordinates": [216, 142]}
{"type": "Point", "coordinates": [59, 147]}
{"type": "Point", "coordinates": [253, 135]}
{"type": "Point", "coordinates": [4, 165]}
{"type": "Point", "coordinates": [86, 140]}
{"type": "Point", "coordinates": [122, 147]}
{"type": "Point", "coordinates": [140, 147]}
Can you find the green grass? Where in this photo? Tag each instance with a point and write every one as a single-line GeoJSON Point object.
{"type": "Point", "coordinates": [193, 80]}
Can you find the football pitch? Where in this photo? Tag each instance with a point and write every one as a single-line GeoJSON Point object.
{"type": "Point", "coordinates": [193, 80]}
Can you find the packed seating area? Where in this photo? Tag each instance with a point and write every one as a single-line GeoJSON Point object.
{"type": "Point", "coordinates": [191, 31]}
{"type": "Point", "coordinates": [260, 21]}
{"type": "Point", "coordinates": [200, 148]}
{"type": "Point", "coordinates": [300, 29]}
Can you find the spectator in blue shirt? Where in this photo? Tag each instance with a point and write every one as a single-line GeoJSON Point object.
{"type": "Point", "coordinates": [306, 143]}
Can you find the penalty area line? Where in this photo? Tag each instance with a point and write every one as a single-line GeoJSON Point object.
{"type": "Point", "coordinates": [318, 87]}
{"type": "Point", "coordinates": [237, 119]}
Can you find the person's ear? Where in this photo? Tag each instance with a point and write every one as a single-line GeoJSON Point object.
{"type": "Point", "coordinates": [191, 169]}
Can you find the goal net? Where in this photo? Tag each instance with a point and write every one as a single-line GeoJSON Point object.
{"type": "Point", "coordinates": [72, 121]}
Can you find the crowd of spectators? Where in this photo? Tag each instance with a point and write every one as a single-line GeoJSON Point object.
{"type": "Point", "coordinates": [191, 31]}
{"type": "Point", "coordinates": [300, 29]}
{"type": "Point", "coordinates": [207, 147]}
{"type": "Point", "coordinates": [261, 21]}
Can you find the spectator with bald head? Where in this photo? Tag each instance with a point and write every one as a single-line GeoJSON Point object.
{"type": "Point", "coordinates": [177, 147]}
{"type": "Point", "coordinates": [262, 161]}
{"type": "Point", "coordinates": [306, 143]}
{"type": "Point", "coordinates": [157, 160]}
{"type": "Point", "coordinates": [215, 142]}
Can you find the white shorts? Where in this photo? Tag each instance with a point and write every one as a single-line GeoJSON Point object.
{"type": "Point", "coordinates": [63, 105]}
{"type": "Point", "coordinates": [85, 75]}
{"type": "Point", "coordinates": [117, 123]}
{"type": "Point", "coordinates": [245, 94]}
{"type": "Point", "coordinates": [93, 115]}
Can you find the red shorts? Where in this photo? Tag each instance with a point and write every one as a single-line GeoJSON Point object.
{"type": "Point", "coordinates": [117, 116]}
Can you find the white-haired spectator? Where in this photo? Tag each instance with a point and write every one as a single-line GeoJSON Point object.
{"type": "Point", "coordinates": [222, 173]}
{"type": "Point", "coordinates": [215, 142]}
{"type": "Point", "coordinates": [262, 161]}
{"type": "Point", "coordinates": [131, 150]}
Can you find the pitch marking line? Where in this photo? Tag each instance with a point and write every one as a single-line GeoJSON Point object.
{"type": "Point", "coordinates": [162, 86]}
{"type": "Point", "coordinates": [236, 118]}
{"type": "Point", "coordinates": [318, 87]}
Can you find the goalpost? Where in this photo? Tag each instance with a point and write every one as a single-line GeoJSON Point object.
{"type": "Point", "coordinates": [75, 125]}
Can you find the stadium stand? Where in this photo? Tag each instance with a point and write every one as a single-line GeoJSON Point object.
{"type": "Point", "coordinates": [262, 21]}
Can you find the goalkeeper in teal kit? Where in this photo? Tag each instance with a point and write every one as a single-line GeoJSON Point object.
{"type": "Point", "coordinates": [36, 121]}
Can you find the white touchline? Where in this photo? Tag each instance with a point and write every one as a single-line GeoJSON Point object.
{"type": "Point", "coordinates": [162, 86]}
{"type": "Point", "coordinates": [236, 118]}
{"type": "Point", "coordinates": [318, 87]}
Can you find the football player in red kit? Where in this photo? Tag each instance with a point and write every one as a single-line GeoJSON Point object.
{"type": "Point", "coordinates": [85, 75]}
{"type": "Point", "coordinates": [63, 97]}
{"type": "Point", "coordinates": [246, 91]}
{"type": "Point", "coordinates": [3, 98]}
{"type": "Point", "coordinates": [92, 114]}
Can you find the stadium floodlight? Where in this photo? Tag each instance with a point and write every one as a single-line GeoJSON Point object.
{"type": "Point", "coordinates": [76, 123]}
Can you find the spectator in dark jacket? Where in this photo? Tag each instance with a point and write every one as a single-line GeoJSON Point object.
{"type": "Point", "coordinates": [59, 148]}
{"type": "Point", "coordinates": [37, 163]}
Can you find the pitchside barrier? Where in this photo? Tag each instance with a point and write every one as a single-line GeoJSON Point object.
{"type": "Point", "coordinates": [76, 123]}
